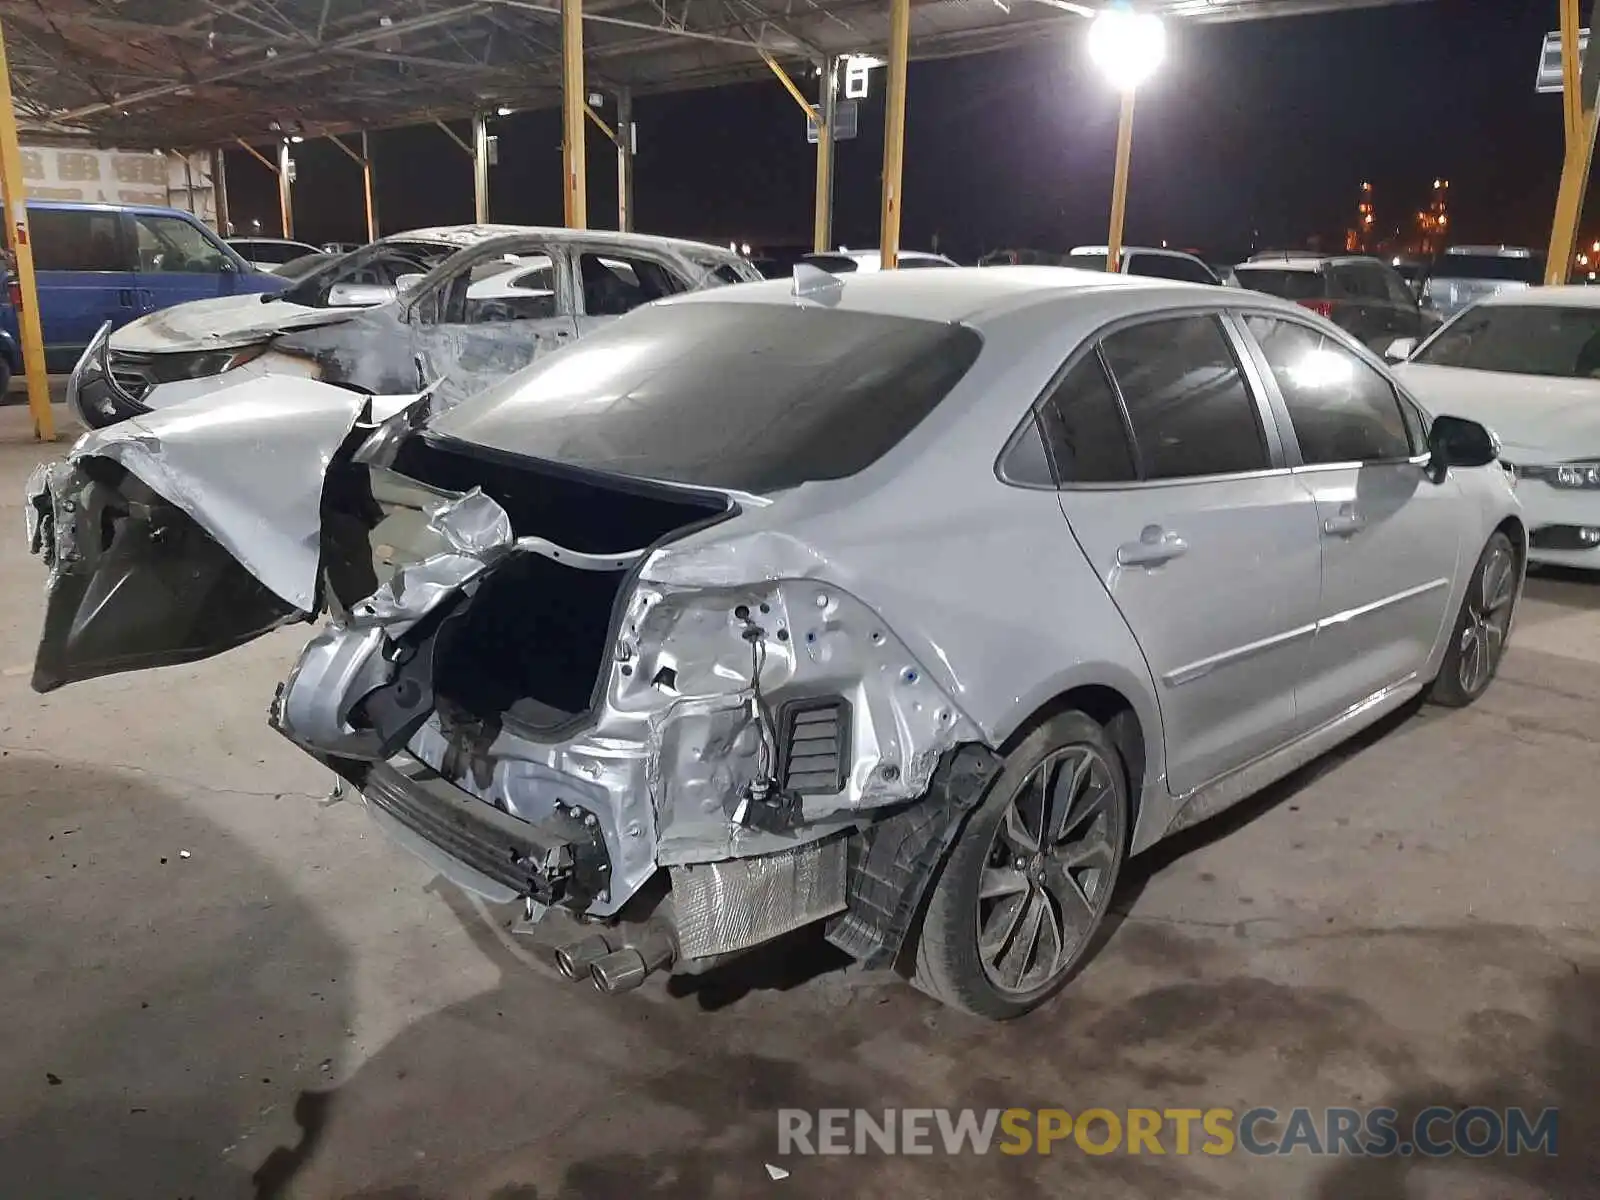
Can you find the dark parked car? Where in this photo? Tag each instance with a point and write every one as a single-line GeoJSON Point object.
{"type": "Point", "coordinates": [1364, 296]}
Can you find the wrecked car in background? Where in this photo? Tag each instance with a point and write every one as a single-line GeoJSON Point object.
{"type": "Point", "coordinates": [463, 306]}
{"type": "Point", "coordinates": [846, 601]}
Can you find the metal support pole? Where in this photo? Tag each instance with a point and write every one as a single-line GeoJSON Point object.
{"type": "Point", "coordinates": [285, 200]}
{"type": "Point", "coordinates": [573, 160]}
{"type": "Point", "coordinates": [366, 189]}
{"type": "Point", "coordinates": [16, 200]}
{"type": "Point", "coordinates": [188, 182]}
{"type": "Point", "coordinates": [480, 168]}
{"type": "Point", "coordinates": [1119, 182]}
{"type": "Point", "coordinates": [219, 193]}
{"type": "Point", "coordinates": [894, 131]}
{"type": "Point", "coordinates": [827, 108]}
{"type": "Point", "coordinates": [1581, 119]}
{"type": "Point", "coordinates": [625, 148]}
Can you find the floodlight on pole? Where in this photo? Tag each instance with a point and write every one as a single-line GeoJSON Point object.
{"type": "Point", "coordinates": [1127, 47]}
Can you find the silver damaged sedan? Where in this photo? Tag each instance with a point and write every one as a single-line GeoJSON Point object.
{"type": "Point", "coordinates": [911, 603]}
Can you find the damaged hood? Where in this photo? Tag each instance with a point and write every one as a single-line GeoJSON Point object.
{"type": "Point", "coordinates": [221, 323]}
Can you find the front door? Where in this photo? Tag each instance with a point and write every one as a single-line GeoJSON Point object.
{"type": "Point", "coordinates": [1389, 535]}
{"type": "Point", "coordinates": [1206, 545]}
{"type": "Point", "coordinates": [179, 261]}
{"type": "Point", "coordinates": [491, 318]}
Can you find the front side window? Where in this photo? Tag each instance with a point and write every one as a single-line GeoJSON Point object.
{"type": "Point", "coordinates": [172, 246]}
{"type": "Point", "coordinates": [514, 287]}
{"type": "Point", "coordinates": [1186, 400]}
{"type": "Point", "coordinates": [614, 284]}
{"type": "Point", "coordinates": [1520, 339]}
{"type": "Point", "coordinates": [1342, 409]}
{"type": "Point", "coordinates": [1170, 266]}
{"type": "Point", "coordinates": [66, 239]}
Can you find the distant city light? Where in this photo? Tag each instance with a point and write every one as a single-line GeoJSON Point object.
{"type": "Point", "coordinates": [1126, 46]}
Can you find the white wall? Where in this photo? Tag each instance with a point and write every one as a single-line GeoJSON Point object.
{"type": "Point", "coordinates": [119, 176]}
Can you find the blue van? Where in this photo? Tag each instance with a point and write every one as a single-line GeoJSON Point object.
{"type": "Point", "coordinates": [114, 262]}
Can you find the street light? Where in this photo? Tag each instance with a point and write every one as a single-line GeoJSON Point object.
{"type": "Point", "coordinates": [1127, 47]}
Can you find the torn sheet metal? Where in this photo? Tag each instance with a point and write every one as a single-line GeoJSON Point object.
{"type": "Point", "coordinates": [247, 463]}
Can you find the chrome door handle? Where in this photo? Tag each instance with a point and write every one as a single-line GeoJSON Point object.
{"type": "Point", "coordinates": [1345, 524]}
{"type": "Point", "coordinates": [1154, 547]}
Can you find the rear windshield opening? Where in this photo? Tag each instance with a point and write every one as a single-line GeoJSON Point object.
{"type": "Point", "coordinates": [1291, 285]}
{"type": "Point", "coordinates": [743, 397]}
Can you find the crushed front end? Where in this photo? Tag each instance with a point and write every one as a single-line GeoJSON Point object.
{"type": "Point", "coordinates": [598, 697]}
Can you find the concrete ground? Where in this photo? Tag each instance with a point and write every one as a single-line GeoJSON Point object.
{"type": "Point", "coordinates": [219, 984]}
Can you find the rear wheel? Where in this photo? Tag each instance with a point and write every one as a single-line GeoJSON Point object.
{"type": "Point", "coordinates": [1018, 905]}
{"type": "Point", "coordinates": [1479, 638]}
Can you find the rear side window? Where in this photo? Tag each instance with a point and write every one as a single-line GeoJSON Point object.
{"type": "Point", "coordinates": [1276, 281]}
{"type": "Point", "coordinates": [1170, 266]}
{"type": "Point", "coordinates": [1513, 268]}
{"type": "Point", "coordinates": [77, 240]}
{"type": "Point", "coordinates": [1081, 423]}
{"type": "Point", "coordinates": [614, 284]}
{"type": "Point", "coordinates": [1341, 408]}
{"type": "Point", "coordinates": [752, 397]}
{"type": "Point", "coordinates": [1186, 400]}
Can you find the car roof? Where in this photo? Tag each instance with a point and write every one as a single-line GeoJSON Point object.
{"type": "Point", "coordinates": [1494, 251]}
{"type": "Point", "coordinates": [1164, 250]}
{"type": "Point", "coordinates": [973, 294]}
{"type": "Point", "coordinates": [1570, 295]}
{"type": "Point", "coordinates": [876, 256]}
{"type": "Point", "coordinates": [153, 210]}
{"type": "Point", "coordinates": [269, 241]}
{"type": "Point", "coordinates": [462, 236]}
{"type": "Point", "coordinates": [1303, 262]}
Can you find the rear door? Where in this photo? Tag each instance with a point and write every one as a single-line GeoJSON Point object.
{"type": "Point", "coordinates": [493, 316]}
{"type": "Point", "coordinates": [84, 274]}
{"type": "Point", "coordinates": [179, 260]}
{"type": "Point", "coordinates": [1389, 535]}
{"type": "Point", "coordinates": [1206, 543]}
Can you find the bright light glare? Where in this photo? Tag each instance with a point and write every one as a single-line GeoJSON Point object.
{"type": "Point", "coordinates": [1318, 369]}
{"type": "Point", "coordinates": [1126, 46]}
{"type": "Point", "coordinates": [503, 111]}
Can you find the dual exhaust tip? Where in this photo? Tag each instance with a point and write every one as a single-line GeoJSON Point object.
{"type": "Point", "coordinates": [615, 970]}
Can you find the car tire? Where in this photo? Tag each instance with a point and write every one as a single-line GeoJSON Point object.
{"type": "Point", "coordinates": [1022, 898]}
{"type": "Point", "coordinates": [5, 378]}
{"type": "Point", "coordinates": [1478, 637]}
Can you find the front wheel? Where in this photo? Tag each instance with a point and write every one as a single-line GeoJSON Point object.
{"type": "Point", "coordinates": [1478, 640]}
{"type": "Point", "coordinates": [1027, 885]}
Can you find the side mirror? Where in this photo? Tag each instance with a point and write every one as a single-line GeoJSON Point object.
{"type": "Point", "coordinates": [359, 295]}
{"type": "Point", "coordinates": [1457, 442]}
{"type": "Point", "coordinates": [407, 283]}
{"type": "Point", "coordinates": [1400, 349]}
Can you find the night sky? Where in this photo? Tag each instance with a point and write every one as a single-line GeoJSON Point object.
{"type": "Point", "coordinates": [1253, 133]}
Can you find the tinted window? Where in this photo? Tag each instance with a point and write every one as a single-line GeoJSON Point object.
{"type": "Point", "coordinates": [272, 252]}
{"type": "Point", "coordinates": [1082, 427]}
{"type": "Point", "coordinates": [1278, 281]}
{"type": "Point", "coordinates": [1188, 404]}
{"type": "Point", "coordinates": [1399, 292]}
{"type": "Point", "coordinates": [1533, 339]}
{"type": "Point", "coordinates": [616, 284]}
{"type": "Point", "coordinates": [835, 264]}
{"type": "Point", "coordinates": [1342, 409]}
{"type": "Point", "coordinates": [755, 397]}
{"type": "Point", "coordinates": [1169, 266]}
{"type": "Point", "coordinates": [1517, 268]}
{"type": "Point", "coordinates": [1087, 262]}
{"type": "Point", "coordinates": [1364, 280]}
{"type": "Point", "coordinates": [172, 246]}
{"type": "Point", "coordinates": [77, 240]}
{"type": "Point", "coordinates": [916, 264]}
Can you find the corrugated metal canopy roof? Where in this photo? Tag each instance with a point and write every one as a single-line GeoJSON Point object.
{"type": "Point", "coordinates": [183, 73]}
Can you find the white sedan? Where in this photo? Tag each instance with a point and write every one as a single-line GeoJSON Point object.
{"type": "Point", "coordinates": [1527, 365]}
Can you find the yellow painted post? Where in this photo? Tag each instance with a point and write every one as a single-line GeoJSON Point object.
{"type": "Point", "coordinates": [285, 179]}
{"type": "Point", "coordinates": [1578, 83]}
{"type": "Point", "coordinates": [480, 169]}
{"type": "Point", "coordinates": [366, 188]}
{"type": "Point", "coordinates": [827, 108]}
{"type": "Point", "coordinates": [573, 159]}
{"type": "Point", "coordinates": [1119, 182]}
{"type": "Point", "coordinates": [894, 131]}
{"type": "Point", "coordinates": [624, 143]}
{"type": "Point", "coordinates": [16, 200]}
